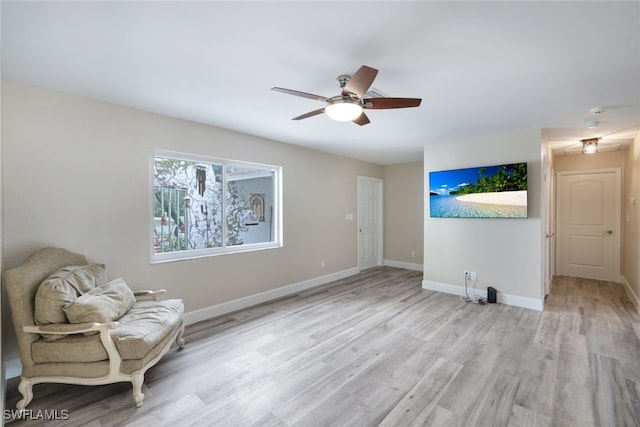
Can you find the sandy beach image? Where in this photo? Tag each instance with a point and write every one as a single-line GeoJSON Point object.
{"type": "Point", "coordinates": [483, 192]}
{"type": "Point", "coordinates": [503, 198]}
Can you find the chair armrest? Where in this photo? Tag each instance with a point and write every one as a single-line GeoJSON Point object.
{"type": "Point", "coordinates": [77, 328]}
{"type": "Point", "coordinates": [149, 295]}
{"type": "Point", "coordinates": [69, 328]}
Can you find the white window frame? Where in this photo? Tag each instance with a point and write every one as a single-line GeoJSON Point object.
{"type": "Point", "coordinates": [224, 249]}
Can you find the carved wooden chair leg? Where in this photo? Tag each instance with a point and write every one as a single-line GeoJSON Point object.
{"type": "Point", "coordinates": [179, 338]}
{"type": "Point", "coordinates": [136, 380]}
{"type": "Point", "coordinates": [26, 389]}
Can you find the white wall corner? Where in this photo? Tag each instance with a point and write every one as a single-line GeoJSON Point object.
{"type": "Point", "coordinates": [405, 265]}
{"type": "Point", "coordinates": [12, 368]}
{"type": "Point", "coordinates": [502, 298]}
{"type": "Point", "coordinates": [630, 293]}
{"type": "Point", "coordinates": [195, 316]}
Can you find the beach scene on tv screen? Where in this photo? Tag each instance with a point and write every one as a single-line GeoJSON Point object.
{"type": "Point", "coordinates": [483, 192]}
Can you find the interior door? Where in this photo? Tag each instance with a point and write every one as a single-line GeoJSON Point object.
{"type": "Point", "coordinates": [551, 232]}
{"type": "Point", "coordinates": [547, 213]}
{"type": "Point", "coordinates": [369, 222]}
{"type": "Point", "coordinates": [588, 220]}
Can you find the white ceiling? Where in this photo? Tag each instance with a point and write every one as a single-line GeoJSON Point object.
{"type": "Point", "coordinates": [481, 68]}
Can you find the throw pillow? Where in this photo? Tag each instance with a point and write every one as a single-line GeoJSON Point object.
{"type": "Point", "coordinates": [104, 303]}
{"type": "Point", "coordinates": [63, 287]}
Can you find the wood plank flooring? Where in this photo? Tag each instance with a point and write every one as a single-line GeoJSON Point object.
{"type": "Point", "coordinates": [376, 349]}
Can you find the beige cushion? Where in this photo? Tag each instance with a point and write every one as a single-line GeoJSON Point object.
{"type": "Point", "coordinates": [104, 303]}
{"type": "Point", "coordinates": [144, 327]}
{"type": "Point", "coordinates": [63, 287]}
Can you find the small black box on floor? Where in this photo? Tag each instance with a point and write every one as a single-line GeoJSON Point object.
{"type": "Point", "coordinates": [491, 294]}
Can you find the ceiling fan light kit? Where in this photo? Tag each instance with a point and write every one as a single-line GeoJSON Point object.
{"type": "Point", "coordinates": [343, 109]}
{"type": "Point", "coordinates": [350, 104]}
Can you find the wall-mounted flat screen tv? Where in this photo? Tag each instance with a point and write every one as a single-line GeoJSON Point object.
{"type": "Point", "coordinates": [483, 192]}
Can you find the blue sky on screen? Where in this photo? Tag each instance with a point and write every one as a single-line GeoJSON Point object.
{"type": "Point", "coordinates": [444, 181]}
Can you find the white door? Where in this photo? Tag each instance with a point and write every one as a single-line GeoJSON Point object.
{"type": "Point", "coordinates": [547, 224]}
{"type": "Point", "coordinates": [588, 220]}
{"type": "Point", "coordinates": [551, 233]}
{"type": "Point", "coordinates": [369, 222]}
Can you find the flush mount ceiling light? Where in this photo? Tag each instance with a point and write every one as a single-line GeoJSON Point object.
{"type": "Point", "coordinates": [343, 108]}
{"type": "Point", "coordinates": [589, 146]}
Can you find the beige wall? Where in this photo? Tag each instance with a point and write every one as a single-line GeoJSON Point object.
{"type": "Point", "coordinates": [77, 175]}
{"type": "Point", "coordinates": [505, 253]}
{"type": "Point", "coordinates": [612, 159]}
{"type": "Point", "coordinates": [631, 222]}
{"type": "Point", "coordinates": [403, 214]}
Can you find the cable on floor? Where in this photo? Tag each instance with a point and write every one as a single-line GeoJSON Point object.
{"type": "Point", "coordinates": [480, 301]}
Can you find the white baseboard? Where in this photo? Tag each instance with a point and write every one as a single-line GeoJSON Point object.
{"type": "Point", "coordinates": [502, 298]}
{"type": "Point", "coordinates": [405, 265]}
{"type": "Point", "coordinates": [630, 293]}
{"type": "Point", "coordinates": [251, 300]}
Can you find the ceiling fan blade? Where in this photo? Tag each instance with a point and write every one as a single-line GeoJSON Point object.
{"type": "Point", "coordinates": [298, 93]}
{"type": "Point", "coordinates": [362, 120]}
{"type": "Point", "coordinates": [385, 103]}
{"type": "Point", "coordinates": [360, 82]}
{"type": "Point", "coordinates": [309, 114]}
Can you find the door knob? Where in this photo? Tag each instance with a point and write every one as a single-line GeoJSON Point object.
{"type": "Point", "coordinates": [608, 232]}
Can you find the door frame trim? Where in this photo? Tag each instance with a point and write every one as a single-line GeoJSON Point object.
{"type": "Point", "coordinates": [617, 215]}
{"type": "Point", "coordinates": [380, 206]}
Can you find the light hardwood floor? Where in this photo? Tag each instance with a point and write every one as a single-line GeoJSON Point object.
{"type": "Point", "coordinates": [376, 349]}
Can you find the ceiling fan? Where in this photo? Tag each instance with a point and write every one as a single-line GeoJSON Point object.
{"type": "Point", "coordinates": [349, 105]}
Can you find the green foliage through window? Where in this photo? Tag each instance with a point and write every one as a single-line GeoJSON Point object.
{"type": "Point", "coordinates": [212, 206]}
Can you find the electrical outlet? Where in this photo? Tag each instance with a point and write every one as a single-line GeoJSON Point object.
{"type": "Point", "coordinates": [473, 275]}
{"type": "Point", "coordinates": [322, 264]}
{"type": "Point", "coordinates": [413, 254]}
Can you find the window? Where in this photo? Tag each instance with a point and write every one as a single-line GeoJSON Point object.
{"type": "Point", "coordinates": [203, 206]}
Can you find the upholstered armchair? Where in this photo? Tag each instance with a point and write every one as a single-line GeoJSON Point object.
{"type": "Point", "coordinates": [75, 327]}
